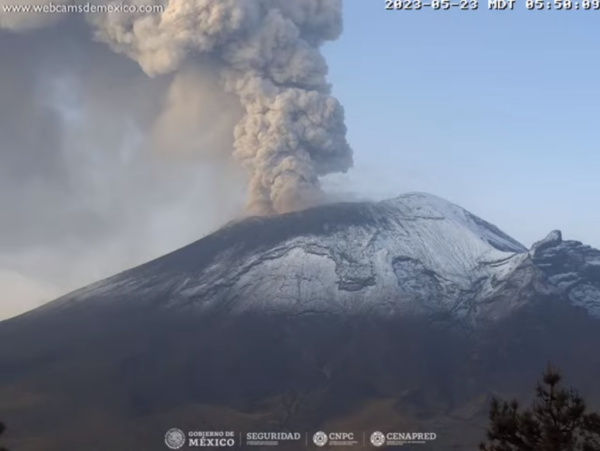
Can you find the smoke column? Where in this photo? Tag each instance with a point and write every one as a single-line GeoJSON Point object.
{"type": "Point", "coordinates": [267, 54]}
{"type": "Point", "coordinates": [124, 135]}
{"type": "Point", "coordinates": [293, 130]}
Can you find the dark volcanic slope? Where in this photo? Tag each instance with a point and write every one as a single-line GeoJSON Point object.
{"type": "Point", "coordinates": [405, 314]}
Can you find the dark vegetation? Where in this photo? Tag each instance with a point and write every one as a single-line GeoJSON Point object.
{"type": "Point", "coordinates": [558, 420]}
{"type": "Point", "coordinates": [2, 430]}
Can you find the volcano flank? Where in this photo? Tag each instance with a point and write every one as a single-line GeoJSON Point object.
{"type": "Point", "coordinates": [402, 315]}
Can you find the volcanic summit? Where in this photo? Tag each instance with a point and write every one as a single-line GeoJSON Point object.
{"type": "Point", "coordinates": [405, 313]}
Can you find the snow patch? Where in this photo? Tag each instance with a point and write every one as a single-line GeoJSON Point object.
{"type": "Point", "coordinates": [414, 253]}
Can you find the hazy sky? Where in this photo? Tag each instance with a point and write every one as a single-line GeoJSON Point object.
{"type": "Point", "coordinates": [493, 110]}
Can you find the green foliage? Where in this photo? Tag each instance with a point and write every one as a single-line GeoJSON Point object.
{"type": "Point", "coordinates": [556, 421]}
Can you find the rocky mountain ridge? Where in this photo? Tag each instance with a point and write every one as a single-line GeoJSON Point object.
{"type": "Point", "coordinates": [416, 253]}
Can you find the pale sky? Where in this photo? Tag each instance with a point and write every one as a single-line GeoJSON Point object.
{"type": "Point", "coordinates": [493, 110]}
{"type": "Point", "coordinates": [496, 111]}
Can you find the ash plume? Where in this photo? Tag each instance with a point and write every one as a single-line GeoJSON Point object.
{"type": "Point", "coordinates": [115, 123]}
{"type": "Point", "coordinates": [267, 54]}
{"type": "Point", "coordinates": [292, 131]}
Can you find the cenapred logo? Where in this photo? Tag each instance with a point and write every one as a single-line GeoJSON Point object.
{"type": "Point", "coordinates": [377, 438]}
{"type": "Point", "coordinates": [320, 438]}
{"type": "Point", "coordinates": [175, 438]}
{"type": "Point", "coordinates": [401, 438]}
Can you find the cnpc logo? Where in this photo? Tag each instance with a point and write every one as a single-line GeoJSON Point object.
{"type": "Point", "coordinates": [335, 438]}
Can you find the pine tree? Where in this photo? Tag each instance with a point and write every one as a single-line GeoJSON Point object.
{"type": "Point", "coordinates": [2, 430]}
{"type": "Point", "coordinates": [557, 421]}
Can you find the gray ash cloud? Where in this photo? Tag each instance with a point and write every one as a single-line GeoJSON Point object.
{"type": "Point", "coordinates": [110, 119]}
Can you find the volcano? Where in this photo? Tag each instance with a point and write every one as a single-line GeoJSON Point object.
{"type": "Point", "coordinates": [403, 315]}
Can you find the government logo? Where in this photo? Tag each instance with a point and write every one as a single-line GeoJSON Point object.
{"type": "Point", "coordinates": [377, 438]}
{"type": "Point", "coordinates": [211, 439]}
{"type": "Point", "coordinates": [271, 438]}
{"type": "Point", "coordinates": [335, 439]}
{"type": "Point", "coordinates": [320, 438]}
{"type": "Point", "coordinates": [175, 438]}
{"type": "Point", "coordinates": [394, 439]}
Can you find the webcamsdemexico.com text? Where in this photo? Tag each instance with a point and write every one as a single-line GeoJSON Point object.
{"type": "Point", "coordinates": [51, 8]}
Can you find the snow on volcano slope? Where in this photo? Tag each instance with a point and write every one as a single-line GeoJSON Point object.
{"type": "Point", "coordinates": [572, 268]}
{"type": "Point", "coordinates": [415, 253]}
